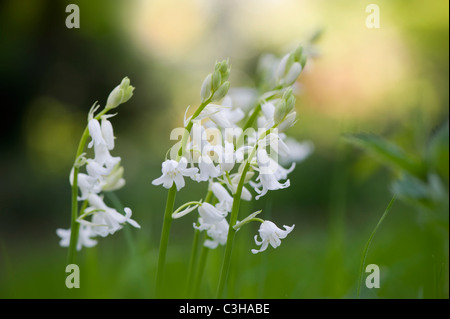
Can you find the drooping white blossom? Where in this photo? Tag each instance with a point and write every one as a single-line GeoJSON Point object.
{"type": "Point", "coordinates": [207, 168]}
{"type": "Point", "coordinates": [267, 177]}
{"type": "Point", "coordinates": [270, 234]}
{"type": "Point", "coordinates": [209, 215]}
{"type": "Point", "coordinates": [217, 233]}
{"type": "Point", "coordinates": [173, 171]}
{"type": "Point", "coordinates": [104, 173]}
{"type": "Point", "coordinates": [225, 199]}
{"type": "Point", "coordinates": [212, 220]}
{"type": "Point", "coordinates": [84, 237]}
{"type": "Point", "coordinates": [105, 220]}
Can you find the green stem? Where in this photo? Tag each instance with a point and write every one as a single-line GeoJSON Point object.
{"type": "Point", "coordinates": [194, 251]}
{"type": "Point", "coordinates": [366, 247]}
{"type": "Point", "coordinates": [170, 203]}
{"type": "Point", "coordinates": [73, 246]}
{"type": "Point", "coordinates": [231, 232]}
{"type": "Point", "coordinates": [252, 117]}
{"type": "Point", "coordinates": [200, 269]}
{"type": "Point", "coordinates": [74, 225]}
{"type": "Point", "coordinates": [165, 238]}
{"type": "Point", "coordinates": [187, 131]}
{"type": "Point", "coordinates": [233, 220]}
{"type": "Point", "coordinates": [247, 125]}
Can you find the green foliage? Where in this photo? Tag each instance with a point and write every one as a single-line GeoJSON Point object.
{"type": "Point", "coordinates": [423, 179]}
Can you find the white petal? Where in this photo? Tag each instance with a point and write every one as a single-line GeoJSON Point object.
{"type": "Point", "coordinates": [95, 132]}
{"type": "Point", "coordinates": [108, 133]}
{"type": "Point", "coordinates": [130, 221]}
{"type": "Point", "coordinates": [221, 193]}
{"type": "Point", "coordinates": [179, 181]}
{"type": "Point", "coordinates": [264, 246]}
{"type": "Point", "coordinates": [211, 244]}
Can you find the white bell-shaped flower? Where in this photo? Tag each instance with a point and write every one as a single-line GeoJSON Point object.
{"type": "Point", "coordinates": [207, 168]}
{"type": "Point", "coordinates": [268, 173]}
{"type": "Point", "coordinates": [225, 199]}
{"type": "Point", "coordinates": [107, 131]}
{"type": "Point", "coordinates": [105, 220]}
{"type": "Point", "coordinates": [84, 237]}
{"type": "Point", "coordinates": [209, 215]}
{"type": "Point", "coordinates": [270, 234]}
{"type": "Point", "coordinates": [173, 171]}
{"type": "Point", "coordinates": [218, 233]}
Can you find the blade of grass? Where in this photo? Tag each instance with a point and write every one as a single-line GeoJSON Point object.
{"type": "Point", "coordinates": [366, 248]}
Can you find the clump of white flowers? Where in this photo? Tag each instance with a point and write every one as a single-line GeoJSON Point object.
{"type": "Point", "coordinates": [104, 172]}
{"type": "Point", "coordinates": [235, 141]}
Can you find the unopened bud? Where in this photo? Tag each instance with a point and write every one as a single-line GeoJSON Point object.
{"type": "Point", "coordinates": [280, 111]}
{"type": "Point", "coordinates": [225, 70]}
{"type": "Point", "coordinates": [205, 92]}
{"type": "Point", "coordinates": [221, 91]}
{"type": "Point", "coordinates": [120, 94]}
{"type": "Point", "coordinates": [293, 73]}
{"type": "Point", "coordinates": [303, 61]}
{"type": "Point", "coordinates": [281, 70]}
{"type": "Point", "coordinates": [287, 122]}
{"type": "Point", "coordinates": [290, 103]}
{"type": "Point", "coordinates": [287, 94]}
{"type": "Point", "coordinates": [298, 54]}
{"type": "Point", "coordinates": [216, 80]}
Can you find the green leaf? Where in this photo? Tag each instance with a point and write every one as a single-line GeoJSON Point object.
{"type": "Point", "coordinates": [388, 153]}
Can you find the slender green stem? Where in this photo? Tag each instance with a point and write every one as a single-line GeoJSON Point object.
{"type": "Point", "coordinates": [194, 251]}
{"type": "Point", "coordinates": [165, 239]}
{"type": "Point", "coordinates": [231, 232]}
{"type": "Point", "coordinates": [257, 220]}
{"type": "Point", "coordinates": [192, 261]}
{"type": "Point", "coordinates": [233, 219]}
{"type": "Point", "coordinates": [73, 246]}
{"type": "Point", "coordinates": [251, 119]}
{"type": "Point", "coordinates": [366, 247]}
{"type": "Point", "coordinates": [200, 269]}
{"type": "Point", "coordinates": [187, 131]}
{"type": "Point", "coordinates": [170, 203]}
{"type": "Point", "coordinates": [74, 225]}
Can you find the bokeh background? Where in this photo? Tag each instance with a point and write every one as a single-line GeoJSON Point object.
{"type": "Point", "coordinates": [391, 81]}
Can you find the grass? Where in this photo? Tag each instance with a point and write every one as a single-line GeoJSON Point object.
{"type": "Point", "coordinates": [306, 265]}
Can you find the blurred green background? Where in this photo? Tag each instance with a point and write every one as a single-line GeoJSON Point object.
{"type": "Point", "coordinates": [391, 81]}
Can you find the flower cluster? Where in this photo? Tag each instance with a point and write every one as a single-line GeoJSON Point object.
{"type": "Point", "coordinates": [236, 146]}
{"type": "Point", "coordinates": [103, 173]}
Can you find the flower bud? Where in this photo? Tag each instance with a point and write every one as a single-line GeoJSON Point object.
{"type": "Point", "coordinates": [224, 69]}
{"type": "Point", "coordinates": [205, 92]}
{"type": "Point", "coordinates": [280, 112]}
{"type": "Point", "coordinates": [293, 73]}
{"type": "Point", "coordinates": [303, 61]}
{"type": "Point", "coordinates": [290, 103]}
{"type": "Point", "coordinates": [120, 94]}
{"type": "Point", "coordinates": [287, 122]}
{"type": "Point", "coordinates": [287, 94]}
{"type": "Point", "coordinates": [281, 70]}
{"type": "Point", "coordinates": [216, 80]}
{"type": "Point", "coordinates": [221, 91]}
{"type": "Point", "coordinates": [298, 53]}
